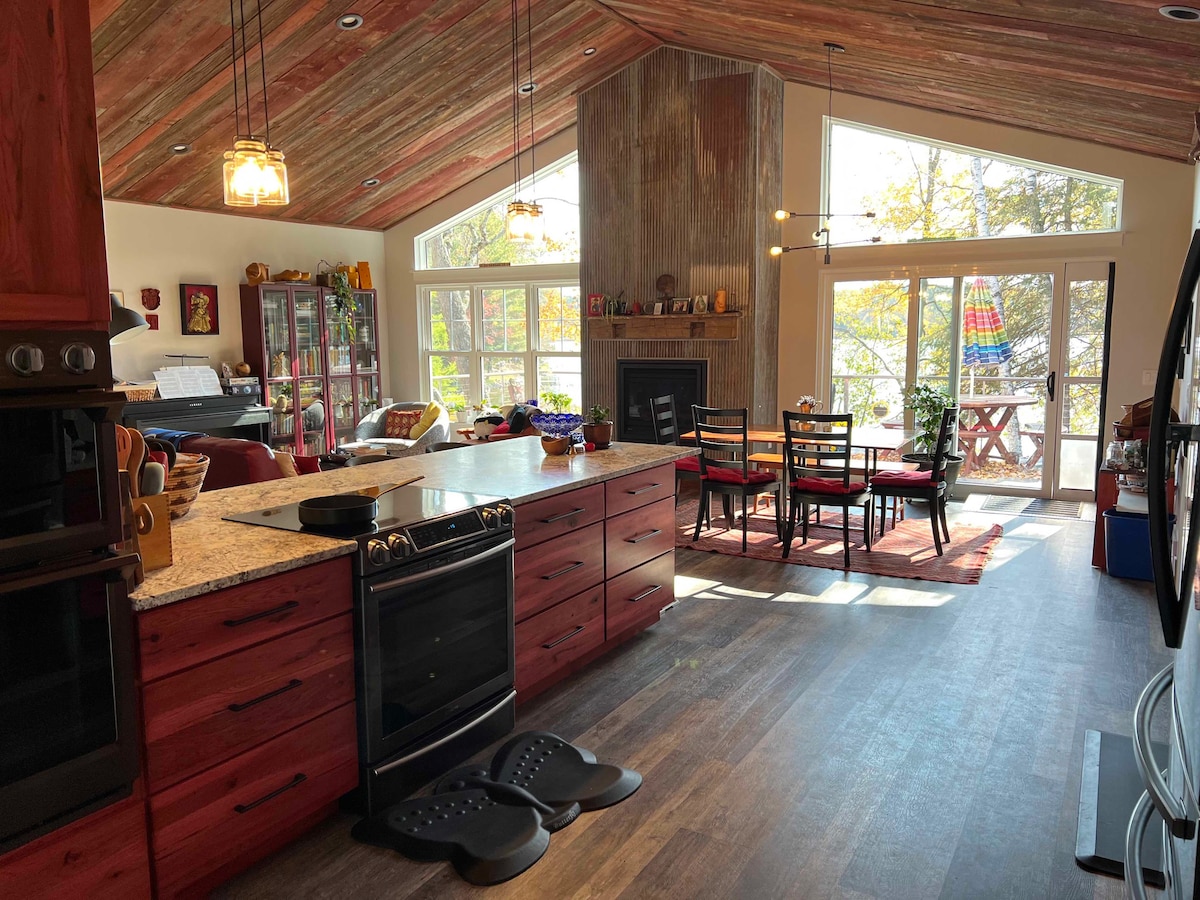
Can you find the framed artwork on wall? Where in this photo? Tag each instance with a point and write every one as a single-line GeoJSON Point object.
{"type": "Point", "coordinates": [198, 309]}
{"type": "Point", "coordinates": [595, 304]}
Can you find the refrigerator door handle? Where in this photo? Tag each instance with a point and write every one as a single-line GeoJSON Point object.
{"type": "Point", "coordinates": [1135, 884]}
{"type": "Point", "coordinates": [1172, 810]}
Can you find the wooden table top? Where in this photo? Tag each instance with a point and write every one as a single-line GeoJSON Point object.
{"type": "Point", "coordinates": [863, 438]}
{"type": "Point", "coordinates": [989, 401]}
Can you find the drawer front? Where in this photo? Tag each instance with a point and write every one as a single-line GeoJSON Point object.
{"type": "Point", "coordinates": [191, 632]}
{"type": "Point", "coordinates": [205, 715]}
{"type": "Point", "coordinates": [223, 815]}
{"type": "Point", "coordinates": [633, 600]}
{"type": "Point", "coordinates": [558, 569]}
{"type": "Point", "coordinates": [639, 489]}
{"type": "Point", "coordinates": [544, 519]}
{"type": "Point", "coordinates": [639, 536]}
{"type": "Point", "coordinates": [549, 641]}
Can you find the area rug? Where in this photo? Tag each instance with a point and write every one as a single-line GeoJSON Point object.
{"type": "Point", "coordinates": [905, 551]}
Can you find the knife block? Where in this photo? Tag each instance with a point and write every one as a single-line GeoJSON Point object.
{"type": "Point", "coordinates": [157, 552]}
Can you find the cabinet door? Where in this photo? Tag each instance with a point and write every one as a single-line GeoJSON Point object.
{"type": "Point", "coordinates": [52, 262]}
{"type": "Point", "coordinates": [280, 357]}
{"type": "Point", "coordinates": [366, 350]}
{"type": "Point", "coordinates": [342, 409]}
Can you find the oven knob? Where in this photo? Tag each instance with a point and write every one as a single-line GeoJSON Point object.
{"type": "Point", "coordinates": [506, 513]}
{"type": "Point", "coordinates": [25, 359]}
{"type": "Point", "coordinates": [377, 552]}
{"type": "Point", "coordinates": [78, 359]}
{"type": "Point", "coordinates": [399, 546]}
{"type": "Point", "coordinates": [491, 518]}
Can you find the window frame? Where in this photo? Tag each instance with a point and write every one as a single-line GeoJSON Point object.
{"type": "Point", "coordinates": [828, 124]}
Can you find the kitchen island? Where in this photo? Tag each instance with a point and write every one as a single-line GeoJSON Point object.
{"type": "Point", "coordinates": [247, 649]}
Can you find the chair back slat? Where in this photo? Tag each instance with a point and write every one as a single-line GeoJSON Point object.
{"type": "Point", "coordinates": [716, 437]}
{"type": "Point", "coordinates": [827, 439]}
{"type": "Point", "coordinates": [666, 422]}
{"type": "Point", "coordinates": [945, 444]}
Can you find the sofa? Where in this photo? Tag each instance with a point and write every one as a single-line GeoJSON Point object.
{"type": "Point", "coordinates": [233, 461]}
{"type": "Point", "coordinates": [371, 430]}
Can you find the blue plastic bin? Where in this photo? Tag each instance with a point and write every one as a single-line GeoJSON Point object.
{"type": "Point", "coordinates": [1127, 545]}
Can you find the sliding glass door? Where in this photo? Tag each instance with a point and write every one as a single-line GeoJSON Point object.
{"type": "Point", "coordinates": [1021, 351]}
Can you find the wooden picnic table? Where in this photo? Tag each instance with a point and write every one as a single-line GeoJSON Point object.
{"type": "Point", "coordinates": [992, 412]}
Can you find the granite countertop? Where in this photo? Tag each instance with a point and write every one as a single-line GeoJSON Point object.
{"type": "Point", "coordinates": [210, 553]}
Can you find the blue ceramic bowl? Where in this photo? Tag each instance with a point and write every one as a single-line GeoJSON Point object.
{"type": "Point", "coordinates": [556, 424]}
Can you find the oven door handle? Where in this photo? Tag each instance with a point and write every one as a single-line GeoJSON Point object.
{"type": "Point", "coordinates": [444, 739]}
{"type": "Point", "coordinates": [498, 550]}
{"type": "Point", "coordinates": [114, 568]}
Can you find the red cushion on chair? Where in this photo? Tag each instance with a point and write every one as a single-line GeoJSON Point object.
{"type": "Point", "coordinates": [734, 476]}
{"type": "Point", "coordinates": [691, 464]}
{"type": "Point", "coordinates": [903, 479]}
{"type": "Point", "coordinates": [829, 486]}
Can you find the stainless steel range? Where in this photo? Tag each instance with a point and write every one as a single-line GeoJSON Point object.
{"type": "Point", "coordinates": [434, 659]}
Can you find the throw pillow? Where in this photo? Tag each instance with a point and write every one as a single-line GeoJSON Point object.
{"type": "Point", "coordinates": [428, 417]}
{"type": "Point", "coordinates": [307, 465]}
{"type": "Point", "coordinates": [400, 422]}
{"type": "Point", "coordinates": [287, 465]}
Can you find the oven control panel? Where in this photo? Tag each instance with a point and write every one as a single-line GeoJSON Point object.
{"type": "Point", "coordinates": [37, 360]}
{"type": "Point", "coordinates": [445, 530]}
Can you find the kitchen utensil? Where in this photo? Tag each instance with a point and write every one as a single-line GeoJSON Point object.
{"type": "Point", "coordinates": [124, 447]}
{"type": "Point", "coordinates": [344, 509]}
{"type": "Point", "coordinates": [137, 457]}
{"type": "Point", "coordinates": [154, 478]}
{"type": "Point", "coordinates": [165, 447]}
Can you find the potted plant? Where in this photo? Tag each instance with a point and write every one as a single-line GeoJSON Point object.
{"type": "Point", "coordinates": [556, 401]}
{"type": "Point", "coordinates": [598, 428]}
{"type": "Point", "coordinates": [807, 404]}
{"type": "Point", "coordinates": [927, 403]}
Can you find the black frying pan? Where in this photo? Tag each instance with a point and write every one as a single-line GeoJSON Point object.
{"type": "Point", "coordinates": [344, 509]}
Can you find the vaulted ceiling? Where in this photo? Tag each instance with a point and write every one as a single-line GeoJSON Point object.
{"type": "Point", "coordinates": [420, 95]}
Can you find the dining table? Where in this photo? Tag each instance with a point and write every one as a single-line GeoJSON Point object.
{"type": "Point", "coordinates": [992, 413]}
{"type": "Point", "coordinates": [871, 440]}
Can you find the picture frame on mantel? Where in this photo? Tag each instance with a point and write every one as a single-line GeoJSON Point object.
{"type": "Point", "coordinates": [198, 313]}
{"type": "Point", "coordinates": [680, 305]}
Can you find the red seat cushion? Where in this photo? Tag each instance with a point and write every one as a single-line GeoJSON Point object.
{"type": "Point", "coordinates": [903, 479]}
{"type": "Point", "coordinates": [833, 486]}
{"type": "Point", "coordinates": [691, 464]}
{"type": "Point", "coordinates": [734, 476]}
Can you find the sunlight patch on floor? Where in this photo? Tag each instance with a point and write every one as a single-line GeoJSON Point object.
{"type": "Point", "coordinates": [838, 593]}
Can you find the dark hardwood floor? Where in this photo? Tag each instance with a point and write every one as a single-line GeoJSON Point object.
{"type": "Point", "coordinates": [807, 733]}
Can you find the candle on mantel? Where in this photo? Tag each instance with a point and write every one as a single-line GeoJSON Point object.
{"type": "Point", "coordinates": [719, 303]}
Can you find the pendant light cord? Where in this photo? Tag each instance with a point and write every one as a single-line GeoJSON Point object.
{"type": "Point", "coordinates": [516, 99]}
{"type": "Point", "coordinates": [237, 107]}
{"type": "Point", "coordinates": [262, 59]}
{"type": "Point", "coordinates": [529, 53]}
{"type": "Point", "coordinates": [245, 75]}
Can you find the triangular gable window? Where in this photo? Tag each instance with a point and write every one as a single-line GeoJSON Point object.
{"type": "Point", "coordinates": [924, 190]}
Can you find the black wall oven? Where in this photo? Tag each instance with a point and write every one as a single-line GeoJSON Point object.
{"type": "Point", "coordinates": [436, 665]}
{"type": "Point", "coordinates": [67, 713]}
{"type": "Point", "coordinates": [58, 475]}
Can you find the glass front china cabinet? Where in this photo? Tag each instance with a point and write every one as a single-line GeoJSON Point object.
{"type": "Point", "coordinates": [319, 366]}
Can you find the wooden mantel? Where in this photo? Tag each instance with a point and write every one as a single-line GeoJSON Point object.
{"type": "Point", "coordinates": [678, 327]}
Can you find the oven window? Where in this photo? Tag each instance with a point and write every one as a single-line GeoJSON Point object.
{"type": "Point", "coordinates": [56, 677]}
{"type": "Point", "coordinates": [51, 474]}
{"type": "Point", "coordinates": [440, 639]}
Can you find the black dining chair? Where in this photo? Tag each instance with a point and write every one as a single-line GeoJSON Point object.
{"type": "Point", "coordinates": [666, 431]}
{"type": "Point", "coordinates": [928, 485]}
{"type": "Point", "coordinates": [808, 474]}
{"type": "Point", "coordinates": [725, 466]}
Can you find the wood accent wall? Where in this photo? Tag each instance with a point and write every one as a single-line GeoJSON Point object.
{"type": "Point", "coordinates": [680, 158]}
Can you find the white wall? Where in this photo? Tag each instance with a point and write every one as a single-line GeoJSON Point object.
{"type": "Point", "coordinates": [403, 279]}
{"type": "Point", "coordinates": [1149, 253]}
{"type": "Point", "coordinates": [155, 246]}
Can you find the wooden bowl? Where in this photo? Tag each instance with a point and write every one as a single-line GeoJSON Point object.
{"type": "Point", "coordinates": [556, 446]}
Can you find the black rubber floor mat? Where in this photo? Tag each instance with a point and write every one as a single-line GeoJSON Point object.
{"type": "Point", "coordinates": [493, 822]}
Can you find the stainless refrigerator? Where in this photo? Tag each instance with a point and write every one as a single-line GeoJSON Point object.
{"type": "Point", "coordinates": [1173, 474]}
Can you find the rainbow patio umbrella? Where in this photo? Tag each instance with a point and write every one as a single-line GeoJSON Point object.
{"type": "Point", "coordinates": [985, 341]}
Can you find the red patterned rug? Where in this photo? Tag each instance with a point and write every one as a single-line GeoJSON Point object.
{"type": "Point", "coordinates": [904, 552]}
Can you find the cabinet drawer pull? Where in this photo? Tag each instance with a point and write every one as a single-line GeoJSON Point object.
{"type": "Point", "coordinates": [644, 537]}
{"type": "Point", "coordinates": [645, 490]}
{"type": "Point", "coordinates": [561, 516]}
{"type": "Point", "coordinates": [571, 568]}
{"type": "Point", "coordinates": [234, 623]}
{"type": "Point", "coordinates": [565, 637]}
{"type": "Point", "coordinates": [291, 685]}
{"type": "Point", "coordinates": [295, 782]}
{"type": "Point", "coordinates": [646, 593]}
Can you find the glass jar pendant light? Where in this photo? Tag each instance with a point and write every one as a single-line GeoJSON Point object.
{"type": "Point", "coordinates": [523, 220]}
{"type": "Point", "coordinates": [254, 173]}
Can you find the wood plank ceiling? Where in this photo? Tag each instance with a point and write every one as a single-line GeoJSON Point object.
{"type": "Point", "coordinates": [420, 95]}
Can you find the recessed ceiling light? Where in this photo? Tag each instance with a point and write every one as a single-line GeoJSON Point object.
{"type": "Point", "coordinates": [590, 51]}
{"type": "Point", "coordinates": [1180, 13]}
{"type": "Point", "coordinates": [528, 87]}
{"type": "Point", "coordinates": [370, 182]}
{"type": "Point", "coordinates": [181, 148]}
{"type": "Point", "coordinates": [349, 21]}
